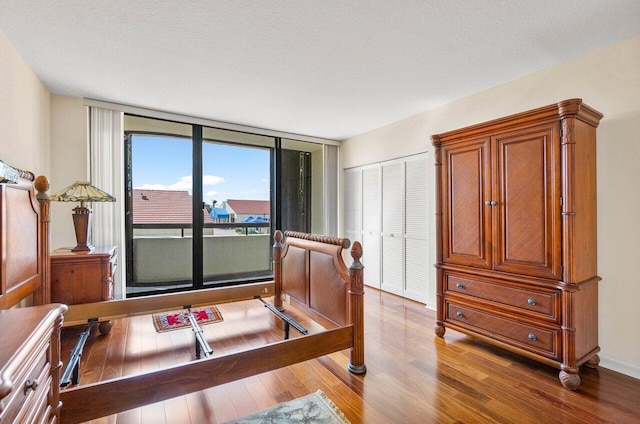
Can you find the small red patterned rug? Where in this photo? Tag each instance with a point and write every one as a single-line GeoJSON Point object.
{"type": "Point", "coordinates": [174, 320]}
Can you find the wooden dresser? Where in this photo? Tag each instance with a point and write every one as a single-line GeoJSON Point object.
{"type": "Point", "coordinates": [30, 364]}
{"type": "Point", "coordinates": [83, 277]}
{"type": "Point", "coordinates": [516, 234]}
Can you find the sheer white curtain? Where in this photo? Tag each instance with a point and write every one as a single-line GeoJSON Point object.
{"type": "Point", "coordinates": [107, 172]}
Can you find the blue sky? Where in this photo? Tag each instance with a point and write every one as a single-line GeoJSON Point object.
{"type": "Point", "coordinates": [229, 172]}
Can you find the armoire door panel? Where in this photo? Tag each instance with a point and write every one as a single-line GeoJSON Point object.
{"type": "Point", "coordinates": [466, 238]}
{"type": "Point", "coordinates": [526, 229]}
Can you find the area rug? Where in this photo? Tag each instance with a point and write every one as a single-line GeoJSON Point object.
{"type": "Point", "coordinates": [313, 408]}
{"type": "Point", "coordinates": [175, 320]}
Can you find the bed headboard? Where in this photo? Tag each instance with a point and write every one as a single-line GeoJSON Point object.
{"type": "Point", "coordinates": [319, 260]}
{"type": "Point", "coordinates": [24, 240]}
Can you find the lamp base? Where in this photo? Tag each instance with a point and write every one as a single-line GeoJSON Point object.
{"type": "Point", "coordinates": [81, 217]}
{"type": "Point", "coordinates": [83, 248]}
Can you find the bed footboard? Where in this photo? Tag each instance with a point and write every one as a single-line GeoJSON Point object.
{"type": "Point", "coordinates": [310, 274]}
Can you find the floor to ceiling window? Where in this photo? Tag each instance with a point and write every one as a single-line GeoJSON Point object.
{"type": "Point", "coordinates": [237, 191]}
{"type": "Point", "coordinates": [203, 203]}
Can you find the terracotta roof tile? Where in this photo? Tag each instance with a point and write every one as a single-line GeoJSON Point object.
{"type": "Point", "coordinates": [163, 207]}
{"type": "Point", "coordinates": [250, 207]}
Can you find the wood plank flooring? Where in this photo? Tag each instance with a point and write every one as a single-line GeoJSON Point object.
{"type": "Point", "coordinates": [412, 375]}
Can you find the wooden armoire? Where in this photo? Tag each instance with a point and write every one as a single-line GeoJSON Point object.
{"type": "Point", "coordinates": [516, 234]}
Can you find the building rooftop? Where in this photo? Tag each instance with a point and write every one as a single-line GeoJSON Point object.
{"type": "Point", "coordinates": [163, 207]}
{"type": "Point", "coordinates": [250, 207]}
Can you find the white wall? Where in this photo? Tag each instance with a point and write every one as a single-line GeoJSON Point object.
{"type": "Point", "coordinates": [608, 80]}
{"type": "Point", "coordinates": [42, 133]}
{"type": "Point", "coordinates": [24, 113]}
{"type": "Point", "coordinates": [69, 162]}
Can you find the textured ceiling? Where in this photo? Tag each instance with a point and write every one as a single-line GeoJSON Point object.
{"type": "Point", "coordinates": [329, 69]}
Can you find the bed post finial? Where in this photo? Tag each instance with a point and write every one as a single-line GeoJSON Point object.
{"type": "Point", "coordinates": [41, 184]}
{"type": "Point", "coordinates": [356, 310]}
{"type": "Point", "coordinates": [277, 270]}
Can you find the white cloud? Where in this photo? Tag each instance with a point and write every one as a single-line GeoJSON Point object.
{"type": "Point", "coordinates": [211, 193]}
{"type": "Point", "coordinates": [212, 180]}
{"type": "Point", "coordinates": [184, 184]}
{"type": "Point", "coordinates": [152, 187]}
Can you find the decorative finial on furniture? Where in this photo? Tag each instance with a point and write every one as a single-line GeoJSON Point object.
{"type": "Point", "coordinates": [82, 191]}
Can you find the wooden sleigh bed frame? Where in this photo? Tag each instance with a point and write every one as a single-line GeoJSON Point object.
{"type": "Point", "coordinates": [309, 274]}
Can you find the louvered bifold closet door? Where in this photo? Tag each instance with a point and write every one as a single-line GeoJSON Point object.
{"type": "Point", "coordinates": [371, 210]}
{"type": "Point", "coordinates": [416, 232]}
{"type": "Point", "coordinates": [392, 228]}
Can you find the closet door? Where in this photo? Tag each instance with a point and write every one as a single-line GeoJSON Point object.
{"type": "Point", "coordinates": [416, 228]}
{"type": "Point", "coordinates": [371, 225]}
{"type": "Point", "coordinates": [392, 228]}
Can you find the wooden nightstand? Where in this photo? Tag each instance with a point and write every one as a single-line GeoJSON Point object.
{"type": "Point", "coordinates": [83, 277]}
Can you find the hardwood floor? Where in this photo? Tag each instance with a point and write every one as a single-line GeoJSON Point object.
{"type": "Point", "coordinates": [412, 375]}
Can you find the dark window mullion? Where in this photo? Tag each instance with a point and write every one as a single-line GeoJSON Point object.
{"type": "Point", "coordinates": [128, 209]}
{"type": "Point", "coordinates": [276, 187]}
{"type": "Point", "coordinates": [198, 218]}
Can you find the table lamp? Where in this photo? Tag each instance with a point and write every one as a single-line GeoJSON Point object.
{"type": "Point", "coordinates": [82, 191]}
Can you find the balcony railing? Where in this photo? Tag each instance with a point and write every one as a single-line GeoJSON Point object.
{"type": "Point", "coordinates": [162, 254]}
{"type": "Point", "coordinates": [185, 229]}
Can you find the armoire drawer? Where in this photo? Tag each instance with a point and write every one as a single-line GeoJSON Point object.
{"type": "Point", "coordinates": [536, 339]}
{"type": "Point", "coordinates": [545, 304]}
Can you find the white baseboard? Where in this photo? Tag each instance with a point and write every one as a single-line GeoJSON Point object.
{"type": "Point", "coordinates": [621, 367]}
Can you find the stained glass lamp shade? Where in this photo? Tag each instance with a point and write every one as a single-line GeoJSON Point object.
{"type": "Point", "coordinates": [82, 191]}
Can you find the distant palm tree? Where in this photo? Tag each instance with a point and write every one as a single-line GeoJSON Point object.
{"type": "Point", "coordinates": [208, 207]}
